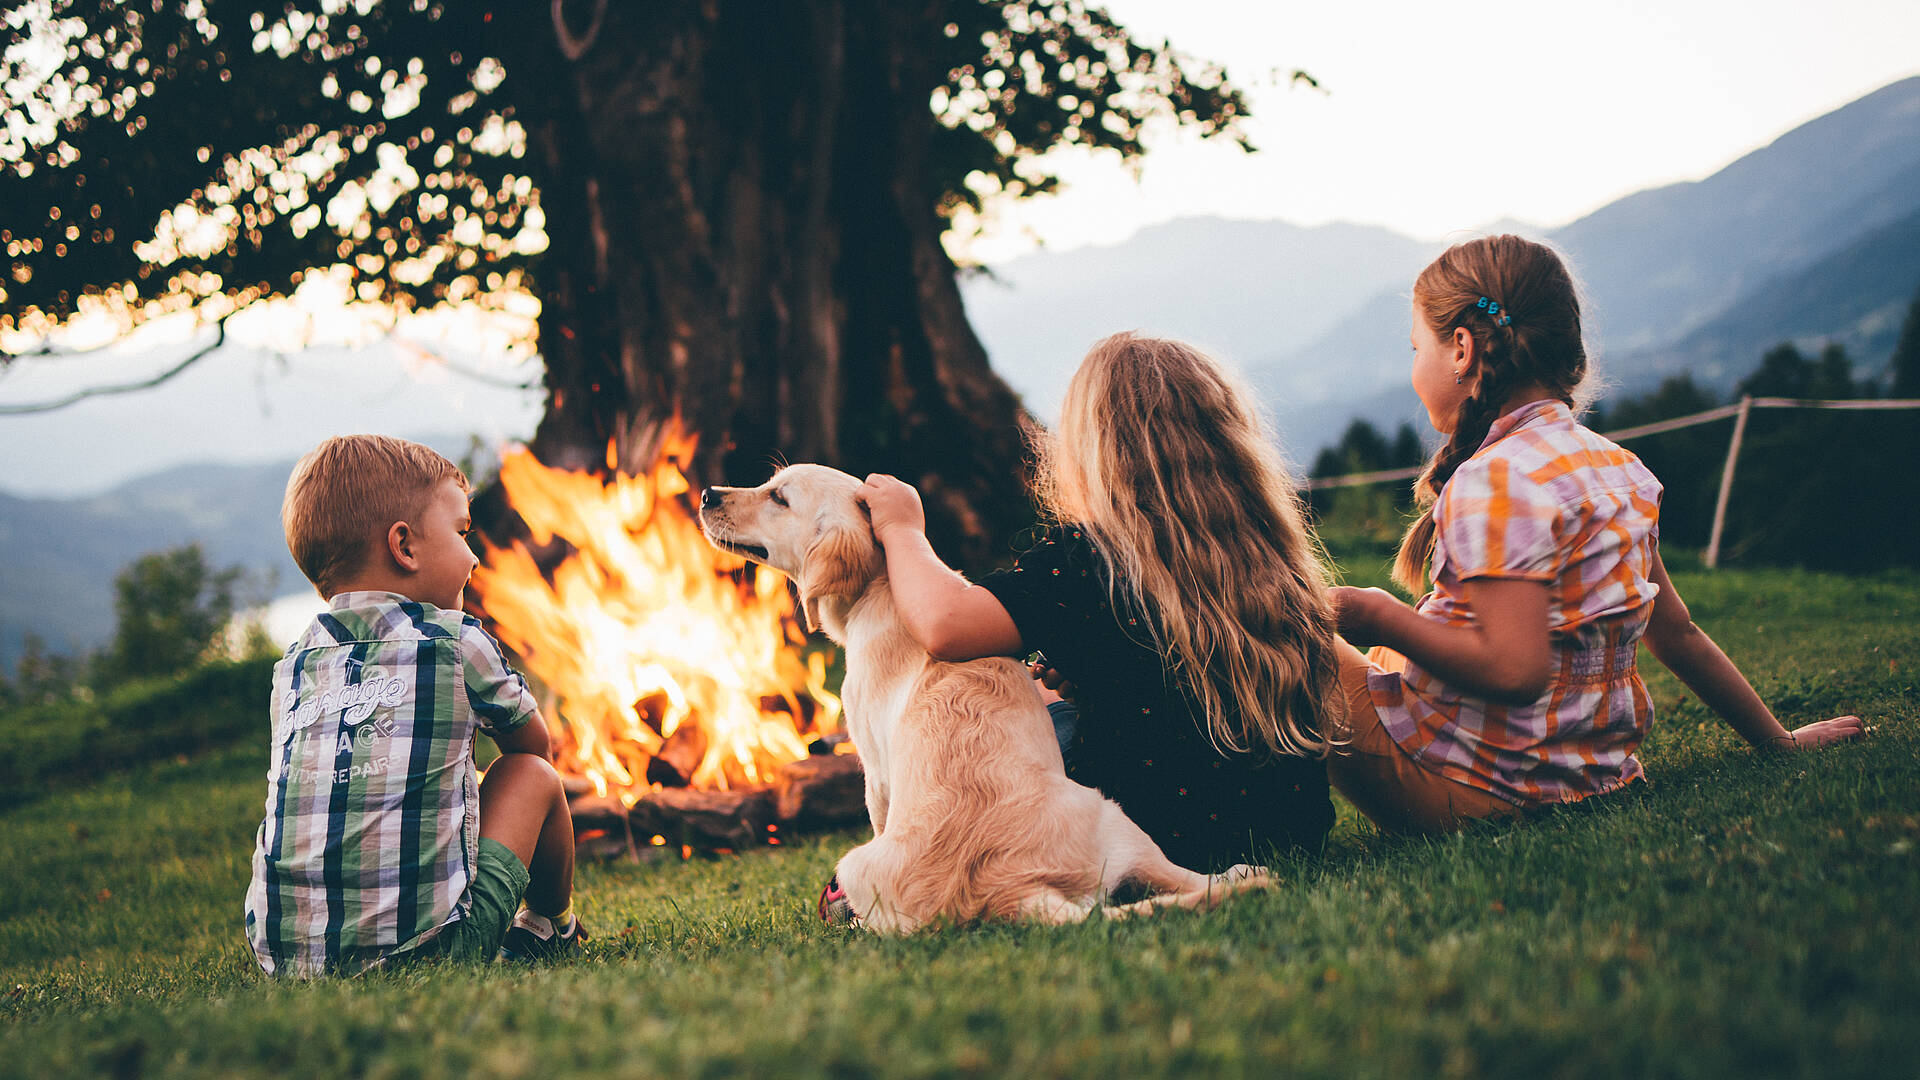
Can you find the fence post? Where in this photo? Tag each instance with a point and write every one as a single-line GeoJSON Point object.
{"type": "Point", "coordinates": [1726, 481]}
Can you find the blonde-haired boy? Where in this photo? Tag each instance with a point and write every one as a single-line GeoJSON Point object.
{"type": "Point", "coordinates": [378, 841]}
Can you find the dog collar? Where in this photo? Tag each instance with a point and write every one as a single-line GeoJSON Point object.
{"type": "Point", "coordinates": [835, 909]}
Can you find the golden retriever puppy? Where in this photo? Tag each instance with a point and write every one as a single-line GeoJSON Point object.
{"type": "Point", "coordinates": [973, 814]}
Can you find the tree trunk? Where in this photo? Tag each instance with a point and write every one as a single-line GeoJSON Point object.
{"type": "Point", "coordinates": [742, 230]}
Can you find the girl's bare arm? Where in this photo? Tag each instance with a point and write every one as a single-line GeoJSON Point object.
{"type": "Point", "coordinates": [1503, 655]}
{"type": "Point", "coordinates": [1696, 661]}
{"type": "Point", "coordinates": [951, 618]}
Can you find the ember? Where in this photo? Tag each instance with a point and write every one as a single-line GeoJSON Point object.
{"type": "Point", "coordinates": [668, 663]}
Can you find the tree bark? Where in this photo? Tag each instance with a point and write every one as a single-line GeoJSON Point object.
{"type": "Point", "coordinates": [742, 232]}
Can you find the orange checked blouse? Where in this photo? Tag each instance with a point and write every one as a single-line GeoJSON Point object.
{"type": "Point", "coordinates": [1544, 499]}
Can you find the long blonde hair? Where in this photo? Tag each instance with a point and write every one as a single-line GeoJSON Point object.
{"type": "Point", "coordinates": [1538, 341]}
{"type": "Point", "coordinates": [1162, 460]}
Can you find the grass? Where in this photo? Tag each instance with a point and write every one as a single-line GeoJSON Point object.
{"type": "Point", "coordinates": [1743, 916]}
{"type": "Point", "coordinates": [82, 738]}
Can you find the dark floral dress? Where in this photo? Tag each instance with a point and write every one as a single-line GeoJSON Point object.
{"type": "Point", "coordinates": [1138, 739]}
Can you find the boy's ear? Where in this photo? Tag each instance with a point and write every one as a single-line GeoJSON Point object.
{"type": "Point", "coordinates": [400, 546]}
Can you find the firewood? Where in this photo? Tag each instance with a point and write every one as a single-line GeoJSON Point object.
{"type": "Point", "coordinates": [705, 819]}
{"type": "Point", "coordinates": [821, 791]}
{"type": "Point", "coordinates": [596, 812]}
{"type": "Point", "coordinates": [600, 827]}
{"type": "Point", "coordinates": [652, 709]}
{"type": "Point", "coordinates": [674, 765]}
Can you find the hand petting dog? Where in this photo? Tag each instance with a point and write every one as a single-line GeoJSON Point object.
{"type": "Point", "coordinates": [892, 504]}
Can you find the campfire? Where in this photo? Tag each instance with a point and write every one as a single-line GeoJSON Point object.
{"type": "Point", "coordinates": [685, 710]}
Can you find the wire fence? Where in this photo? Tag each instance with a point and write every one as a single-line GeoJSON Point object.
{"type": "Point", "coordinates": [1739, 411]}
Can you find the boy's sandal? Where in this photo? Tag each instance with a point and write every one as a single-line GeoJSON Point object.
{"type": "Point", "coordinates": [526, 944]}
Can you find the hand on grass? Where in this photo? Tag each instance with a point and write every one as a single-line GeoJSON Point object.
{"type": "Point", "coordinates": [1827, 732]}
{"type": "Point", "coordinates": [892, 503]}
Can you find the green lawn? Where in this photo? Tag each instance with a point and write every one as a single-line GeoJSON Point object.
{"type": "Point", "coordinates": [1744, 916]}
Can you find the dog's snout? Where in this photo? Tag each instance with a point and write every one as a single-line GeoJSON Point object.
{"type": "Point", "coordinates": [709, 498]}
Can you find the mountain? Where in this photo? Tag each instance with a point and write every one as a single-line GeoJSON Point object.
{"type": "Point", "coordinates": [1356, 369]}
{"type": "Point", "coordinates": [1663, 262]}
{"type": "Point", "coordinates": [1856, 297]}
{"type": "Point", "coordinates": [1802, 238]}
{"type": "Point", "coordinates": [58, 557]}
{"type": "Point", "coordinates": [1245, 289]}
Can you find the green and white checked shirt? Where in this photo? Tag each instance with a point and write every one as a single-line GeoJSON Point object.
{"type": "Point", "coordinates": [372, 825]}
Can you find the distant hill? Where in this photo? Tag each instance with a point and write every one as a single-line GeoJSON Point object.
{"type": "Point", "coordinates": [1856, 297]}
{"type": "Point", "coordinates": [1246, 289]}
{"type": "Point", "coordinates": [58, 557]}
{"type": "Point", "coordinates": [1806, 238]}
{"type": "Point", "coordinates": [1356, 369]}
{"type": "Point", "coordinates": [1663, 262]}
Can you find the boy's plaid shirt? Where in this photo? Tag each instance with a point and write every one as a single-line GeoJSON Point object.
{"type": "Point", "coordinates": [372, 816]}
{"type": "Point", "coordinates": [1544, 499]}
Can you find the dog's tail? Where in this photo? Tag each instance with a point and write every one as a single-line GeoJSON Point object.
{"type": "Point", "coordinates": [1218, 887]}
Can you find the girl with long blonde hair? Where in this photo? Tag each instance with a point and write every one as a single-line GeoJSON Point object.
{"type": "Point", "coordinates": [1176, 586]}
{"type": "Point", "coordinates": [1512, 683]}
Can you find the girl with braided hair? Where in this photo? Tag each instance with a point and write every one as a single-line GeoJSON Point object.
{"type": "Point", "coordinates": [1511, 684]}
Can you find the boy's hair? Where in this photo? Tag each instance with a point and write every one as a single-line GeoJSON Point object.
{"type": "Point", "coordinates": [346, 493]}
{"type": "Point", "coordinates": [1163, 461]}
{"type": "Point", "coordinates": [1535, 338]}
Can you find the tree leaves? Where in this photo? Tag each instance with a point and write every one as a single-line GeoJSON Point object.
{"type": "Point", "coordinates": [208, 153]}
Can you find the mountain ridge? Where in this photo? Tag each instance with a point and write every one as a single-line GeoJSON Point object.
{"type": "Point", "coordinates": [1654, 275]}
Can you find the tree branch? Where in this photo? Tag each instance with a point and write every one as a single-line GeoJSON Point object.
{"type": "Point", "coordinates": [219, 339]}
{"type": "Point", "coordinates": [435, 356]}
{"type": "Point", "coordinates": [573, 48]}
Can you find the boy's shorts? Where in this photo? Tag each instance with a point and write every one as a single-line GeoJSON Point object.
{"type": "Point", "coordinates": [499, 881]}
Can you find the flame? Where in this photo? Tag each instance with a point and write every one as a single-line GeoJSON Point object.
{"type": "Point", "coordinates": [646, 628]}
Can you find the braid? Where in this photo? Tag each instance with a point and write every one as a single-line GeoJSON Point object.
{"type": "Point", "coordinates": [1477, 414]}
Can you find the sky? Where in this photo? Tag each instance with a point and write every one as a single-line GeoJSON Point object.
{"type": "Point", "coordinates": [1604, 98]}
{"type": "Point", "coordinates": [293, 374]}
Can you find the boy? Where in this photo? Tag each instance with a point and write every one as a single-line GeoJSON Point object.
{"type": "Point", "coordinates": [378, 842]}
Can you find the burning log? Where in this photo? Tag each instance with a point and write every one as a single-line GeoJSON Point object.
{"type": "Point", "coordinates": [735, 820]}
{"type": "Point", "coordinates": [652, 710]}
{"type": "Point", "coordinates": [679, 756]}
{"type": "Point", "coordinates": [825, 791]}
{"type": "Point", "coordinates": [600, 827]}
{"type": "Point", "coordinates": [822, 791]}
{"type": "Point", "coordinates": [597, 812]}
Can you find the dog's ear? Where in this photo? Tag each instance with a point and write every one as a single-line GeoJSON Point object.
{"type": "Point", "coordinates": [839, 564]}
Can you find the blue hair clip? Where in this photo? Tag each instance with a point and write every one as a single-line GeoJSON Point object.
{"type": "Point", "coordinates": [1492, 308]}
